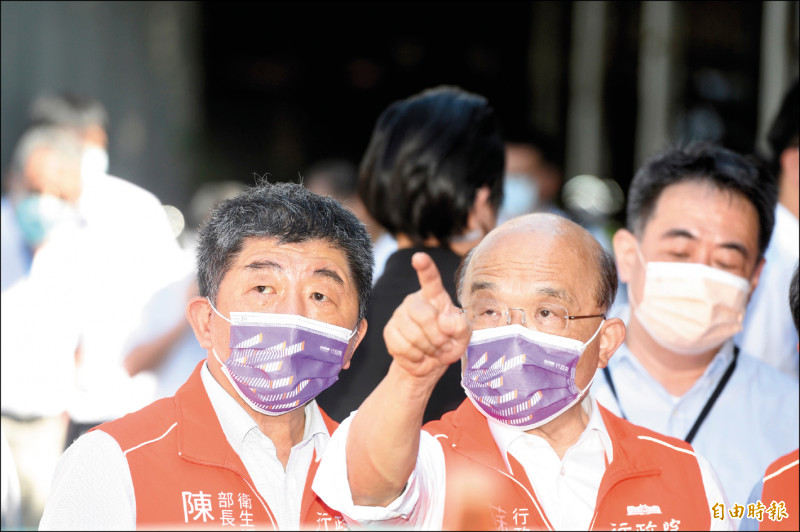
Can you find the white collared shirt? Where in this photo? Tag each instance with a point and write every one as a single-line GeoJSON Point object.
{"type": "Point", "coordinates": [753, 422]}
{"type": "Point", "coordinates": [282, 489]}
{"type": "Point", "coordinates": [567, 488]}
{"type": "Point", "coordinates": [92, 487]}
{"type": "Point", "coordinates": [768, 331]}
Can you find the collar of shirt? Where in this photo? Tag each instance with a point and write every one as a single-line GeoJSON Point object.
{"type": "Point", "coordinates": [236, 422]}
{"type": "Point", "coordinates": [704, 385]}
{"type": "Point", "coordinates": [504, 436]}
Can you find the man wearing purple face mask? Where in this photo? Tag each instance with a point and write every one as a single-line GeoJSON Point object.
{"type": "Point", "coordinates": [284, 277]}
{"type": "Point", "coordinates": [528, 448]}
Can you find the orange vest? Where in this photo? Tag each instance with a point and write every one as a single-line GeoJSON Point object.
{"type": "Point", "coordinates": [186, 475]}
{"type": "Point", "coordinates": [782, 483]}
{"type": "Point", "coordinates": [654, 481]}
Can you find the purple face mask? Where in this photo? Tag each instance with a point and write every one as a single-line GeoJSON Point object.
{"type": "Point", "coordinates": [279, 362]}
{"type": "Point", "coordinates": [520, 377]}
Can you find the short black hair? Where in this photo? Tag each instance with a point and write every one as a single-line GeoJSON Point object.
{"type": "Point", "coordinates": [290, 213]}
{"type": "Point", "coordinates": [428, 156]}
{"type": "Point", "coordinates": [707, 163]}
{"type": "Point", "coordinates": [785, 129]}
{"type": "Point", "coordinates": [69, 110]}
{"type": "Point", "coordinates": [794, 299]}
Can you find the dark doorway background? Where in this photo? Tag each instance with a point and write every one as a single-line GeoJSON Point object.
{"type": "Point", "coordinates": [291, 83]}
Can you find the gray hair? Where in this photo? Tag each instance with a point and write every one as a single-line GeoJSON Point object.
{"type": "Point", "coordinates": [68, 110]}
{"type": "Point", "coordinates": [62, 140]}
{"type": "Point", "coordinates": [289, 213]}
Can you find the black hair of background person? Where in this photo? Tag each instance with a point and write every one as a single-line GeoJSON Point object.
{"type": "Point", "coordinates": [427, 157]}
{"type": "Point", "coordinates": [703, 162]}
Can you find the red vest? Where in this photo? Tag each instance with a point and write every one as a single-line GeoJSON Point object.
{"type": "Point", "coordinates": [654, 481]}
{"type": "Point", "coordinates": [782, 483]}
{"type": "Point", "coordinates": [186, 475]}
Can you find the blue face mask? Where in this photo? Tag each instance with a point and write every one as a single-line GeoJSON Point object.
{"type": "Point", "coordinates": [520, 196]}
{"type": "Point", "coordinates": [39, 214]}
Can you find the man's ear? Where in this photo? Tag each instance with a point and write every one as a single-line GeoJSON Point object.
{"type": "Point", "coordinates": [624, 243]}
{"type": "Point", "coordinates": [198, 312]}
{"type": "Point", "coordinates": [482, 215]}
{"type": "Point", "coordinates": [360, 333]}
{"type": "Point", "coordinates": [611, 337]}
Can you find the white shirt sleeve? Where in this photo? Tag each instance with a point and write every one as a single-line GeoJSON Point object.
{"type": "Point", "coordinates": [92, 488]}
{"type": "Point", "coordinates": [715, 494]}
{"type": "Point", "coordinates": [421, 505]}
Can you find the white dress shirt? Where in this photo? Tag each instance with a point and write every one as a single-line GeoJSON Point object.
{"type": "Point", "coordinates": [566, 487]}
{"type": "Point", "coordinates": [753, 422]}
{"type": "Point", "coordinates": [768, 332]}
{"type": "Point", "coordinates": [92, 488]}
{"type": "Point", "coordinates": [43, 312]}
{"type": "Point", "coordinates": [132, 253]}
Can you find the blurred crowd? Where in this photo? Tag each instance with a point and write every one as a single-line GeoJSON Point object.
{"type": "Point", "coordinates": [96, 280]}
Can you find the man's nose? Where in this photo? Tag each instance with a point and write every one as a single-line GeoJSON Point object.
{"type": "Point", "coordinates": [292, 302]}
{"type": "Point", "coordinates": [517, 316]}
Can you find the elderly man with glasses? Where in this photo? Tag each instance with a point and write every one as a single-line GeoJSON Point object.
{"type": "Point", "coordinates": [528, 448]}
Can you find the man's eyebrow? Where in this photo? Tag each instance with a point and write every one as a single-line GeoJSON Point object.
{"type": "Point", "coordinates": [332, 275]}
{"type": "Point", "coordinates": [678, 233]}
{"type": "Point", "coordinates": [264, 264]}
{"type": "Point", "coordinates": [556, 293]}
{"type": "Point", "coordinates": [683, 233]}
{"type": "Point", "coordinates": [481, 285]}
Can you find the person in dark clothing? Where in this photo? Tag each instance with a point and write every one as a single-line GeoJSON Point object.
{"type": "Point", "coordinates": [432, 175]}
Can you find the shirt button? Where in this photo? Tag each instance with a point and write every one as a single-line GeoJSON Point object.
{"type": "Point", "coordinates": [563, 471]}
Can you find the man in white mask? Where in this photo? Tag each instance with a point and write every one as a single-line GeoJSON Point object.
{"type": "Point", "coordinates": [129, 237]}
{"type": "Point", "coordinates": [528, 448]}
{"type": "Point", "coordinates": [699, 219]}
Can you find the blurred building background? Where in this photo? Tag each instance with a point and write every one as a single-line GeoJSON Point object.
{"type": "Point", "coordinates": [201, 92]}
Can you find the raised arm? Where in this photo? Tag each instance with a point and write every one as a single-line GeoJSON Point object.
{"type": "Point", "coordinates": [424, 336]}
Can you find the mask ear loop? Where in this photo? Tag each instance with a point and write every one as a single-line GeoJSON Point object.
{"type": "Point", "coordinates": [590, 340]}
{"type": "Point", "coordinates": [631, 301]}
{"type": "Point", "coordinates": [212, 348]}
{"type": "Point", "coordinates": [215, 310]}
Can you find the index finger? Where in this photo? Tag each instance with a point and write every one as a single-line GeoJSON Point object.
{"type": "Point", "coordinates": [430, 281]}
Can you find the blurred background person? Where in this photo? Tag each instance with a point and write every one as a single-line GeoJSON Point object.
{"type": "Point", "coordinates": [44, 283]}
{"type": "Point", "coordinates": [10, 518]}
{"type": "Point", "coordinates": [432, 175]}
{"type": "Point", "coordinates": [163, 344]}
{"type": "Point", "coordinates": [768, 332]}
{"type": "Point", "coordinates": [781, 481]}
{"type": "Point", "coordinates": [338, 178]}
{"type": "Point", "coordinates": [533, 176]}
{"type": "Point", "coordinates": [132, 252]}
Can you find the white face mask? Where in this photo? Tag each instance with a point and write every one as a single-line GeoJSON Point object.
{"type": "Point", "coordinates": [94, 161]}
{"type": "Point", "coordinates": [690, 308]}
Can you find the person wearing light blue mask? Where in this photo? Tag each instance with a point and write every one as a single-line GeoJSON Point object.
{"type": "Point", "coordinates": [528, 446]}
{"type": "Point", "coordinates": [284, 277]}
{"type": "Point", "coordinates": [43, 272]}
{"type": "Point", "coordinates": [532, 180]}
